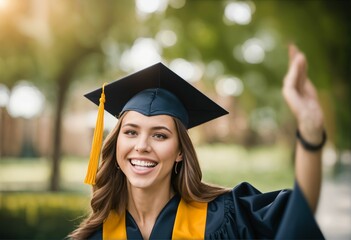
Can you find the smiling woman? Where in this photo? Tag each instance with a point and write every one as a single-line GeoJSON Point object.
{"type": "Point", "coordinates": [146, 150]}
{"type": "Point", "coordinates": [149, 184]}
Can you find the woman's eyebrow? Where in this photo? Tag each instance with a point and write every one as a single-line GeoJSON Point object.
{"type": "Point", "coordinates": [130, 125]}
{"type": "Point", "coordinates": [153, 128]}
{"type": "Point", "coordinates": [161, 128]}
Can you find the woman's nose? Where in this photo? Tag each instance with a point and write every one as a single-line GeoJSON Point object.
{"type": "Point", "coordinates": [142, 145]}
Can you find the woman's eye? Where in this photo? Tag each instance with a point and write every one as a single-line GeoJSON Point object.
{"type": "Point", "coordinates": [130, 133]}
{"type": "Point", "coordinates": [160, 136]}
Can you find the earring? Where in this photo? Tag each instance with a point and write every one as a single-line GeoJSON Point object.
{"type": "Point", "coordinates": [176, 167]}
{"type": "Point", "coordinates": [116, 165]}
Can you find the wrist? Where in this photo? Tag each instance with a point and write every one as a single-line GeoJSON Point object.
{"type": "Point", "coordinates": [315, 145]}
{"type": "Point", "coordinates": [310, 124]}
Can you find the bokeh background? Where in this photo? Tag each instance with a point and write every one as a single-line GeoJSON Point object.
{"type": "Point", "coordinates": [52, 52]}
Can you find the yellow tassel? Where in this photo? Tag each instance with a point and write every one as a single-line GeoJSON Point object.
{"type": "Point", "coordinates": [97, 142]}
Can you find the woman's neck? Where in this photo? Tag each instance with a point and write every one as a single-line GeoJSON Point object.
{"type": "Point", "coordinates": [145, 205]}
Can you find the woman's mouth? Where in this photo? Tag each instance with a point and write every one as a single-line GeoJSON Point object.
{"type": "Point", "coordinates": [142, 163]}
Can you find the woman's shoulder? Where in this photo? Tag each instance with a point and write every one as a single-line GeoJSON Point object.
{"type": "Point", "coordinates": [233, 212]}
{"type": "Point", "coordinates": [246, 198]}
{"type": "Point", "coordinates": [246, 190]}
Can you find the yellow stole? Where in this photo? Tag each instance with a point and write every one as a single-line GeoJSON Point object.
{"type": "Point", "coordinates": [190, 222]}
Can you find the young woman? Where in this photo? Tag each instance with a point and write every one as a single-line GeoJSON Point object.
{"type": "Point", "coordinates": [149, 183]}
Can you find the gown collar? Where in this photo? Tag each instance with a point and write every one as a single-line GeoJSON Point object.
{"type": "Point", "coordinates": [163, 227]}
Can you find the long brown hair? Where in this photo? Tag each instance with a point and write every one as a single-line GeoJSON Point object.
{"type": "Point", "coordinates": [110, 191]}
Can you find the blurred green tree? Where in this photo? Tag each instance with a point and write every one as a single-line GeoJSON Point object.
{"type": "Point", "coordinates": [54, 44]}
{"type": "Point", "coordinates": [320, 28]}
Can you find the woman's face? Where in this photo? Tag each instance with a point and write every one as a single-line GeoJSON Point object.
{"type": "Point", "coordinates": [147, 148]}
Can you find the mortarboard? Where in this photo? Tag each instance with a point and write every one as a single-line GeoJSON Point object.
{"type": "Point", "coordinates": [155, 90]}
{"type": "Point", "coordinates": [199, 107]}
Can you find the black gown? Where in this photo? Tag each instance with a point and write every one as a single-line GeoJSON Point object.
{"type": "Point", "coordinates": [243, 213]}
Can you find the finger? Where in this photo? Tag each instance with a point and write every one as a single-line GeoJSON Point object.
{"type": "Point", "coordinates": [295, 52]}
{"type": "Point", "coordinates": [311, 89]}
{"type": "Point", "coordinates": [292, 52]}
{"type": "Point", "coordinates": [290, 91]}
{"type": "Point", "coordinates": [292, 81]}
{"type": "Point", "coordinates": [297, 57]}
{"type": "Point", "coordinates": [292, 98]}
{"type": "Point", "coordinates": [301, 75]}
{"type": "Point", "coordinates": [292, 75]}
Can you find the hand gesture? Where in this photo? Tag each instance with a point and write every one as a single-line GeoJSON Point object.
{"type": "Point", "coordinates": [301, 96]}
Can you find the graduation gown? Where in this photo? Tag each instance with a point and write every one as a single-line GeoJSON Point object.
{"type": "Point", "coordinates": [242, 213]}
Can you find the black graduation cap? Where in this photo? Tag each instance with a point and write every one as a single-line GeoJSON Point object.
{"type": "Point", "coordinates": [157, 78]}
{"type": "Point", "coordinates": [155, 90]}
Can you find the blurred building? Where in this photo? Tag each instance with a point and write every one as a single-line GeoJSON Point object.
{"type": "Point", "coordinates": [33, 138]}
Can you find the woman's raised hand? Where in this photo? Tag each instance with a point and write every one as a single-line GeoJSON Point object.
{"type": "Point", "coordinates": [301, 96]}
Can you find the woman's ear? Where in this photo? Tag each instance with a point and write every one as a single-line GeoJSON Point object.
{"type": "Point", "coordinates": [180, 157]}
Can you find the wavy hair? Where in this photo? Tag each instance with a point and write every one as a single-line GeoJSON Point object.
{"type": "Point", "coordinates": [110, 191]}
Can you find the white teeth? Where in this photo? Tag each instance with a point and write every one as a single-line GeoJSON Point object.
{"type": "Point", "coordinates": [141, 163]}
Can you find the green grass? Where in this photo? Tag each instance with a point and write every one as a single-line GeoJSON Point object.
{"type": "Point", "coordinates": [34, 174]}
{"type": "Point", "coordinates": [267, 168]}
